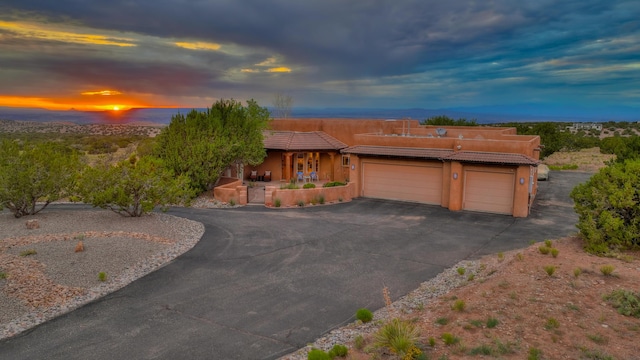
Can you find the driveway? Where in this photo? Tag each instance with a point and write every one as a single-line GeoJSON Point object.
{"type": "Point", "coordinates": [264, 282]}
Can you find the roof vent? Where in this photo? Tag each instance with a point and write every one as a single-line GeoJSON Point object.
{"type": "Point", "coordinates": [441, 132]}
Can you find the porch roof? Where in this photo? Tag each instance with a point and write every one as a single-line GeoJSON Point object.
{"type": "Point", "coordinates": [305, 141]}
{"type": "Point", "coordinates": [482, 157]}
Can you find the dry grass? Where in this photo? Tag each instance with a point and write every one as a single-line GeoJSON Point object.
{"type": "Point", "coordinates": [590, 160]}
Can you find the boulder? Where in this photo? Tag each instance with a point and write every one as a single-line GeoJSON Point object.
{"type": "Point", "coordinates": [33, 224]}
{"type": "Point", "coordinates": [543, 172]}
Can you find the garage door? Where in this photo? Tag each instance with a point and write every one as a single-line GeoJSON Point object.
{"type": "Point", "coordinates": [410, 182]}
{"type": "Point", "coordinates": [489, 191]}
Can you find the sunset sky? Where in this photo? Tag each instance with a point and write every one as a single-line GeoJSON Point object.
{"type": "Point", "coordinates": [97, 55]}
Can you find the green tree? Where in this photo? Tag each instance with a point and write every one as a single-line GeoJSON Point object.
{"type": "Point", "coordinates": [445, 120]}
{"type": "Point", "coordinates": [133, 187]}
{"type": "Point", "coordinates": [202, 145]}
{"type": "Point", "coordinates": [34, 175]}
{"type": "Point", "coordinates": [608, 206]}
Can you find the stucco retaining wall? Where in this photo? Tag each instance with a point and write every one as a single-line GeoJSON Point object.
{"type": "Point", "coordinates": [291, 197]}
{"type": "Point", "coordinates": [230, 189]}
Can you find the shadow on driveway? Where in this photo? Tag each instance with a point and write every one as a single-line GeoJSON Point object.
{"type": "Point", "coordinates": [264, 282]}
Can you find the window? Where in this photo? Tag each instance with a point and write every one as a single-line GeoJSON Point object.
{"type": "Point", "coordinates": [346, 160]}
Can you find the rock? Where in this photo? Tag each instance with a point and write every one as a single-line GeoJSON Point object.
{"type": "Point", "coordinates": [79, 247]}
{"type": "Point", "coordinates": [33, 224]}
{"type": "Point", "coordinates": [543, 172]}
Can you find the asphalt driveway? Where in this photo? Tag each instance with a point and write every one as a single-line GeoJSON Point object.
{"type": "Point", "coordinates": [263, 282]}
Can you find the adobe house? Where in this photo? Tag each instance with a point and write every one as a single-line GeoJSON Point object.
{"type": "Point", "coordinates": [488, 169]}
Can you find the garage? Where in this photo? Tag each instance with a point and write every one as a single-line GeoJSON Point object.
{"type": "Point", "coordinates": [489, 191]}
{"type": "Point", "coordinates": [407, 181]}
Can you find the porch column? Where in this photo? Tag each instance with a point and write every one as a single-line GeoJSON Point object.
{"type": "Point", "coordinates": [333, 165]}
{"type": "Point", "coordinates": [287, 166]}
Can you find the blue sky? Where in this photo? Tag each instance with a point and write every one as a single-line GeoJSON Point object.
{"type": "Point", "coordinates": [329, 53]}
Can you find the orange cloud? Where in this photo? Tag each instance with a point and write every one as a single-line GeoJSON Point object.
{"type": "Point", "coordinates": [48, 32]}
{"type": "Point", "coordinates": [279, 69]}
{"type": "Point", "coordinates": [70, 103]}
{"type": "Point", "coordinates": [102, 92]}
{"type": "Point", "coordinates": [198, 45]}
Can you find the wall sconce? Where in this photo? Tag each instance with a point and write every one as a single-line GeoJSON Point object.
{"type": "Point", "coordinates": [455, 176]}
{"type": "Point", "coordinates": [459, 147]}
{"type": "Point", "coordinates": [521, 181]}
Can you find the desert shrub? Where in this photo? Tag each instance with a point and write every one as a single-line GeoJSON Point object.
{"type": "Point", "coordinates": [459, 305]}
{"type": "Point", "coordinates": [550, 269]}
{"type": "Point", "coordinates": [321, 199]}
{"type": "Point", "coordinates": [28, 252]}
{"type": "Point", "coordinates": [317, 354]}
{"type": "Point", "coordinates": [544, 250]}
{"type": "Point", "coordinates": [365, 315]}
{"type": "Point", "coordinates": [289, 186]}
{"type": "Point", "coordinates": [577, 271]}
{"type": "Point", "coordinates": [607, 270]}
{"type": "Point", "coordinates": [232, 202]}
{"type": "Point", "coordinates": [552, 323]}
{"type": "Point", "coordinates": [554, 252]}
{"type": "Point", "coordinates": [359, 342]}
{"type": "Point", "coordinates": [519, 256]}
{"type": "Point", "coordinates": [608, 208]}
{"type": "Point", "coordinates": [625, 301]}
{"type": "Point", "coordinates": [534, 354]}
{"type": "Point", "coordinates": [449, 339]}
{"type": "Point", "coordinates": [334, 183]}
{"type": "Point", "coordinates": [277, 202]}
{"type": "Point", "coordinates": [300, 203]}
{"type": "Point", "coordinates": [548, 243]}
{"type": "Point", "coordinates": [442, 321]}
{"type": "Point", "coordinates": [309, 186]}
{"type": "Point", "coordinates": [461, 270]}
{"type": "Point", "coordinates": [432, 341]}
{"type": "Point", "coordinates": [3, 275]}
{"type": "Point", "coordinates": [500, 256]}
{"type": "Point", "coordinates": [338, 351]}
{"type": "Point", "coordinates": [102, 276]}
{"type": "Point", "coordinates": [492, 322]}
{"type": "Point", "coordinates": [398, 336]}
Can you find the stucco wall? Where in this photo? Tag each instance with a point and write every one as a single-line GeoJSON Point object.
{"type": "Point", "coordinates": [290, 197]}
{"type": "Point", "coordinates": [230, 189]}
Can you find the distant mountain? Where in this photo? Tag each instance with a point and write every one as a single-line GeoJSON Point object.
{"type": "Point", "coordinates": [482, 114]}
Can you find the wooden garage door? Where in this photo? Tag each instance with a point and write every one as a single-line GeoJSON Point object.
{"type": "Point", "coordinates": [410, 182]}
{"type": "Point", "coordinates": [489, 191]}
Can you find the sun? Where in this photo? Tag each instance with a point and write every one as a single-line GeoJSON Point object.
{"type": "Point", "coordinates": [116, 108]}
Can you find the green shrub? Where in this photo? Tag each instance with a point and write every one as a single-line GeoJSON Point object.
{"type": "Point", "coordinates": [338, 351]}
{"type": "Point", "coordinates": [300, 203]}
{"type": "Point", "coordinates": [432, 341]}
{"type": "Point", "coordinates": [232, 202]}
{"type": "Point", "coordinates": [552, 323]}
{"type": "Point", "coordinates": [289, 186]}
{"type": "Point", "coordinates": [398, 336]}
{"type": "Point", "coordinates": [554, 252]}
{"type": "Point", "coordinates": [625, 301]}
{"type": "Point", "coordinates": [102, 276]}
{"type": "Point", "coordinates": [459, 305]}
{"type": "Point", "coordinates": [519, 256]}
{"type": "Point", "coordinates": [3, 275]}
{"type": "Point", "coordinates": [442, 321]}
{"type": "Point", "coordinates": [28, 252]}
{"type": "Point", "coordinates": [365, 315]}
{"type": "Point", "coordinates": [333, 184]}
{"type": "Point", "coordinates": [317, 354]}
{"type": "Point", "coordinates": [607, 270]}
{"type": "Point", "coordinates": [359, 342]}
{"type": "Point", "coordinates": [492, 322]}
{"type": "Point", "coordinates": [548, 243]}
{"type": "Point", "coordinates": [534, 354]}
{"type": "Point", "coordinates": [321, 199]}
{"type": "Point", "coordinates": [309, 186]}
{"type": "Point", "coordinates": [461, 270]}
{"type": "Point", "coordinates": [544, 250]}
{"type": "Point", "coordinates": [550, 269]}
{"type": "Point", "coordinates": [607, 207]}
{"type": "Point", "coordinates": [500, 256]}
{"type": "Point", "coordinates": [450, 339]}
{"type": "Point", "coordinates": [277, 202]}
{"type": "Point", "coordinates": [577, 271]}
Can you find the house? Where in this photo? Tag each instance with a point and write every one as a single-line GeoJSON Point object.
{"type": "Point", "coordinates": [487, 169]}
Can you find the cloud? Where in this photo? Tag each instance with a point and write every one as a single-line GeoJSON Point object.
{"type": "Point", "coordinates": [198, 45]}
{"type": "Point", "coordinates": [102, 92]}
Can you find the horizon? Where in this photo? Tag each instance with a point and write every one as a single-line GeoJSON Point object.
{"type": "Point", "coordinates": [548, 57]}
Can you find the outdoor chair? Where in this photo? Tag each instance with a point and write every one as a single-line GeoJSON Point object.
{"type": "Point", "coordinates": [314, 176]}
{"type": "Point", "coordinates": [300, 176]}
{"type": "Point", "coordinates": [267, 175]}
{"type": "Point", "coordinates": [254, 175]}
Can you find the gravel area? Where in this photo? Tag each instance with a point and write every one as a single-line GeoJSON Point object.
{"type": "Point", "coordinates": [54, 279]}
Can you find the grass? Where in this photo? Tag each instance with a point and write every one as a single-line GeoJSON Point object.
{"type": "Point", "coordinates": [449, 339]}
{"type": "Point", "coordinates": [544, 250]}
{"type": "Point", "coordinates": [102, 276]}
{"type": "Point", "coordinates": [3, 275]}
{"type": "Point", "coordinates": [598, 339]}
{"type": "Point", "coordinates": [534, 354]}
{"type": "Point", "coordinates": [625, 301]}
{"type": "Point", "coordinates": [28, 252]}
{"type": "Point", "coordinates": [554, 252]}
{"type": "Point", "coordinates": [551, 323]}
{"type": "Point", "coordinates": [550, 269]}
{"type": "Point", "coordinates": [492, 322]}
{"type": "Point", "coordinates": [607, 270]}
{"type": "Point", "coordinates": [461, 271]}
{"type": "Point", "coordinates": [459, 305]}
{"type": "Point", "coordinates": [563, 167]}
{"type": "Point", "coordinates": [442, 321]}
{"type": "Point", "coordinates": [277, 203]}
{"type": "Point", "coordinates": [494, 350]}
{"type": "Point", "coordinates": [500, 256]}
{"type": "Point", "coordinates": [577, 271]}
{"type": "Point", "coordinates": [359, 342]}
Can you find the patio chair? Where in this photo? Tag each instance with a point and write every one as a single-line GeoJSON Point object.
{"type": "Point", "coordinates": [267, 175]}
{"type": "Point", "coordinates": [314, 176]}
{"type": "Point", "coordinates": [254, 175]}
{"type": "Point", "coordinates": [300, 176]}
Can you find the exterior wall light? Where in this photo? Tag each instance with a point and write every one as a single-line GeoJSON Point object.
{"type": "Point", "coordinates": [521, 181]}
{"type": "Point", "coordinates": [455, 176]}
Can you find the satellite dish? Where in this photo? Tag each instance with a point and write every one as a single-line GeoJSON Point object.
{"type": "Point", "coordinates": [441, 131]}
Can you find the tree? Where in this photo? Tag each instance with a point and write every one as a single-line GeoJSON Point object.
{"type": "Point", "coordinates": [282, 105]}
{"type": "Point", "coordinates": [447, 121]}
{"type": "Point", "coordinates": [133, 187]}
{"type": "Point", "coordinates": [608, 206]}
{"type": "Point", "coordinates": [202, 145]}
{"type": "Point", "coordinates": [34, 174]}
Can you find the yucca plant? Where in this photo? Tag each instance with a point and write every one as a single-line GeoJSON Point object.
{"type": "Point", "coordinates": [398, 336]}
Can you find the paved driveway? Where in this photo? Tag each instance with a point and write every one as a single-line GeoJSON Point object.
{"type": "Point", "coordinates": [264, 282]}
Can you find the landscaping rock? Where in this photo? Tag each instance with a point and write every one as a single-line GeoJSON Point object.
{"type": "Point", "coordinates": [33, 224]}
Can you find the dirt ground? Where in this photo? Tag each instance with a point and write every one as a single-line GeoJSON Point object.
{"type": "Point", "coordinates": [590, 160]}
{"type": "Point", "coordinates": [559, 316]}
